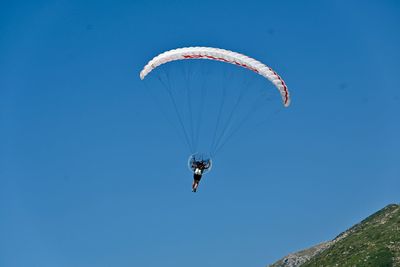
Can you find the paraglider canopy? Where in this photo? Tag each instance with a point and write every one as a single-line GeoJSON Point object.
{"type": "Point", "coordinates": [223, 55]}
{"type": "Point", "coordinates": [213, 99]}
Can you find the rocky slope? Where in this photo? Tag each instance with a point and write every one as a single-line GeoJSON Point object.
{"type": "Point", "coordinates": [373, 242]}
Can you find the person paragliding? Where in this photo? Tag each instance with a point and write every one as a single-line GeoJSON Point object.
{"type": "Point", "coordinates": [198, 163]}
{"type": "Point", "coordinates": [198, 168]}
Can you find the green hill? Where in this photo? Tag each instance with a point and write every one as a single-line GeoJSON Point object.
{"type": "Point", "coordinates": [373, 242]}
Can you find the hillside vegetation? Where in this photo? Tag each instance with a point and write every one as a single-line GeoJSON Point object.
{"type": "Point", "coordinates": [373, 242]}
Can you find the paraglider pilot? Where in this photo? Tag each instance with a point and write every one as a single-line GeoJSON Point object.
{"type": "Point", "coordinates": [198, 168]}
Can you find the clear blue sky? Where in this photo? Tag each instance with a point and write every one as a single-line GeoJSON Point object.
{"type": "Point", "coordinates": [92, 175]}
